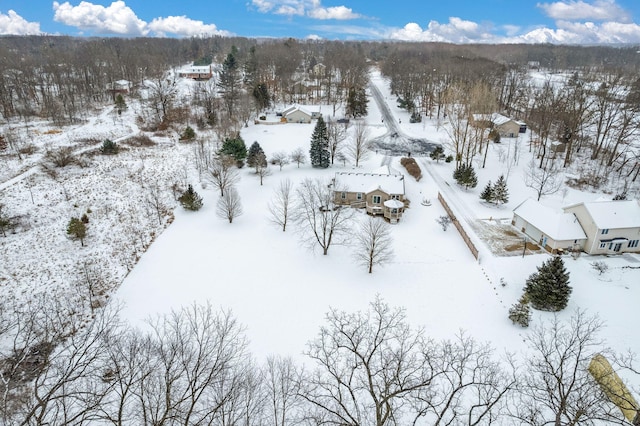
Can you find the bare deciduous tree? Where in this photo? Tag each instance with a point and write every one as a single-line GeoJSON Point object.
{"type": "Point", "coordinates": [280, 204]}
{"type": "Point", "coordinates": [282, 380]}
{"type": "Point", "coordinates": [261, 166]}
{"type": "Point", "coordinates": [368, 363]}
{"type": "Point", "coordinates": [155, 199]}
{"type": "Point", "coordinates": [321, 221]}
{"type": "Point", "coordinates": [337, 133]}
{"type": "Point", "coordinates": [298, 156]}
{"type": "Point", "coordinates": [222, 173]}
{"type": "Point", "coordinates": [557, 387]}
{"type": "Point", "coordinates": [360, 146]}
{"type": "Point", "coordinates": [545, 181]}
{"type": "Point", "coordinates": [280, 159]}
{"type": "Point", "coordinates": [229, 206]}
{"type": "Point", "coordinates": [373, 243]}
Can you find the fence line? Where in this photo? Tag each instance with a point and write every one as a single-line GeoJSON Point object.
{"type": "Point", "coordinates": [458, 225]}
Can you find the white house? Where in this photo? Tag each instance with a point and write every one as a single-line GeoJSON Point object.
{"type": "Point", "coordinates": [196, 72]}
{"type": "Point", "coordinates": [610, 226]}
{"type": "Point", "coordinates": [505, 126]}
{"type": "Point", "coordinates": [553, 230]}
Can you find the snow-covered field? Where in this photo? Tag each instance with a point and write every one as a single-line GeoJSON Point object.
{"type": "Point", "coordinates": [275, 286]}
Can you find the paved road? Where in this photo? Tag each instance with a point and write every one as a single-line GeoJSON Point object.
{"type": "Point", "coordinates": [394, 141]}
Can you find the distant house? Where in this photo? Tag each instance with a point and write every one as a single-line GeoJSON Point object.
{"type": "Point", "coordinates": [296, 114]}
{"type": "Point", "coordinates": [610, 226]}
{"type": "Point", "coordinates": [380, 192]}
{"type": "Point", "coordinates": [196, 72]}
{"type": "Point", "coordinates": [319, 70]}
{"type": "Point", "coordinates": [553, 230]}
{"type": "Point", "coordinates": [120, 86]}
{"type": "Point", "coordinates": [505, 126]}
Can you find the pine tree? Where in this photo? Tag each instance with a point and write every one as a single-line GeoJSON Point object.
{"type": "Point", "coordinates": [500, 191]}
{"type": "Point", "coordinates": [465, 175]}
{"type": "Point", "coordinates": [520, 313]}
{"type": "Point", "coordinates": [319, 152]}
{"type": "Point", "coordinates": [437, 154]}
{"type": "Point", "coordinates": [188, 134]}
{"type": "Point", "coordinates": [548, 289]}
{"type": "Point", "coordinates": [77, 229]}
{"type": "Point", "coordinates": [256, 156]}
{"type": "Point", "coordinates": [487, 193]}
{"type": "Point", "coordinates": [235, 148]}
{"type": "Point", "coordinates": [190, 199]}
{"type": "Point", "coordinates": [356, 102]}
{"type": "Point", "coordinates": [121, 105]}
{"type": "Point", "coordinates": [109, 147]}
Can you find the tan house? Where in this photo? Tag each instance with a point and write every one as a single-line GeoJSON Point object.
{"type": "Point", "coordinates": [505, 126]}
{"type": "Point", "coordinates": [196, 72]}
{"type": "Point", "coordinates": [610, 226]}
{"type": "Point", "coordinates": [296, 114]}
{"type": "Point", "coordinates": [555, 231]}
{"type": "Point", "coordinates": [380, 192]}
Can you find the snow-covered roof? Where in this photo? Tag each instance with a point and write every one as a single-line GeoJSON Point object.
{"type": "Point", "coordinates": [368, 182]}
{"type": "Point", "coordinates": [196, 69]}
{"type": "Point", "coordinates": [294, 108]}
{"type": "Point", "coordinates": [557, 225]}
{"type": "Point", "coordinates": [608, 214]}
{"type": "Point", "coordinates": [495, 118]}
{"type": "Point", "coordinates": [393, 204]}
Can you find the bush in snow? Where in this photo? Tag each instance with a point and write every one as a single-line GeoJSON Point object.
{"type": "Point", "coordinates": [109, 147]}
{"type": "Point", "coordinates": [600, 266]}
{"type": "Point", "coordinates": [520, 313]}
{"type": "Point", "coordinates": [77, 230]}
{"type": "Point", "coordinates": [190, 199]}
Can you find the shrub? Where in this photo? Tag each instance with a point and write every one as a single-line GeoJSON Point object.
{"type": "Point", "coordinates": [415, 118]}
{"type": "Point", "coordinates": [188, 134]}
{"type": "Point", "coordinates": [448, 159]}
{"type": "Point", "coordinates": [520, 313]}
{"type": "Point", "coordinates": [61, 157]}
{"type": "Point", "coordinates": [190, 199]}
{"type": "Point", "coordinates": [412, 167]}
{"type": "Point", "coordinates": [109, 147]}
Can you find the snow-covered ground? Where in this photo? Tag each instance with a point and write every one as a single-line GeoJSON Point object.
{"type": "Point", "coordinates": [275, 286]}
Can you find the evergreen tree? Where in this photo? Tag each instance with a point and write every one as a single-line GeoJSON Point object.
{"type": "Point", "coordinates": [235, 148]}
{"type": "Point", "coordinates": [109, 147]}
{"type": "Point", "coordinates": [256, 157]}
{"type": "Point", "coordinates": [262, 97]}
{"type": "Point", "coordinates": [121, 105]}
{"type": "Point", "coordinates": [319, 152]}
{"type": "Point", "coordinates": [437, 154]}
{"type": "Point", "coordinates": [520, 313]}
{"type": "Point", "coordinates": [548, 289]}
{"type": "Point", "coordinates": [487, 193]}
{"type": "Point", "coordinates": [465, 175]}
{"type": "Point", "coordinates": [500, 191]}
{"type": "Point", "coordinates": [357, 102]}
{"type": "Point", "coordinates": [190, 199]}
{"type": "Point", "coordinates": [229, 81]}
{"type": "Point", "coordinates": [188, 134]}
{"type": "Point", "coordinates": [77, 229]}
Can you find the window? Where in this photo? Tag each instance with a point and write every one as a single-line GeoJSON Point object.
{"type": "Point", "coordinates": [359, 196]}
{"type": "Point", "coordinates": [395, 197]}
{"type": "Point", "coordinates": [603, 245]}
{"type": "Point", "coordinates": [633, 243]}
{"type": "Point", "coordinates": [343, 195]}
{"type": "Point", "coordinates": [605, 231]}
{"type": "Point", "coordinates": [376, 199]}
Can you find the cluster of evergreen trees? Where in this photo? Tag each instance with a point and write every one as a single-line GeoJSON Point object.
{"type": "Point", "coordinates": [497, 193]}
{"type": "Point", "coordinates": [466, 176]}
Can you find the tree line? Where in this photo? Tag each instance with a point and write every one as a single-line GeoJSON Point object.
{"type": "Point", "coordinates": [193, 366]}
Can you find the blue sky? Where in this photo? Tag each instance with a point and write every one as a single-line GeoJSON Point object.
{"type": "Point", "coordinates": [457, 21]}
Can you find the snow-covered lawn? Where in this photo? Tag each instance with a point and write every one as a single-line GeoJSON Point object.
{"type": "Point", "coordinates": [274, 285]}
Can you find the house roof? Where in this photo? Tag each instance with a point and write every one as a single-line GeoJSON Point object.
{"type": "Point", "coordinates": [196, 69]}
{"type": "Point", "coordinates": [295, 108]}
{"type": "Point", "coordinates": [368, 182]}
{"type": "Point", "coordinates": [613, 214]}
{"type": "Point", "coordinates": [495, 118]}
{"type": "Point", "coordinates": [557, 225]}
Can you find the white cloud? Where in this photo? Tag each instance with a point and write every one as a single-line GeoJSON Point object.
{"type": "Point", "coordinates": [120, 19]}
{"type": "Point", "coordinates": [338, 12]}
{"type": "Point", "coordinates": [585, 33]}
{"type": "Point", "coordinates": [116, 18]}
{"type": "Point", "coordinates": [456, 31]}
{"type": "Point", "coordinates": [183, 26]}
{"type": "Point", "coordinates": [598, 10]}
{"type": "Point", "coordinates": [311, 8]}
{"type": "Point", "coordinates": [12, 23]}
